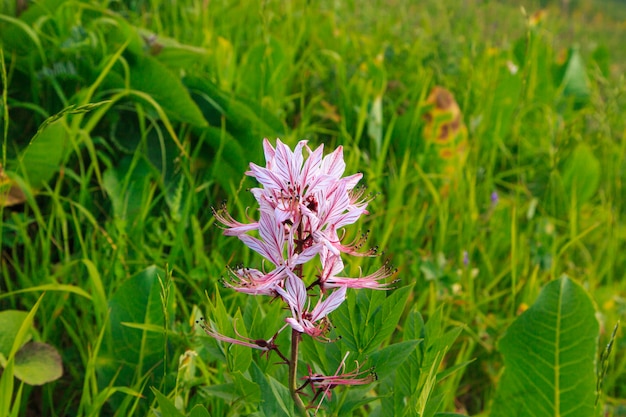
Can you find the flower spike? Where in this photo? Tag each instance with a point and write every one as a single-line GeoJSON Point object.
{"type": "Point", "coordinates": [304, 203]}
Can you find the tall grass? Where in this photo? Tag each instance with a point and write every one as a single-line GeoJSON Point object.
{"type": "Point", "coordinates": [139, 172]}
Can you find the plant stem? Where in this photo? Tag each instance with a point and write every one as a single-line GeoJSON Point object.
{"type": "Point", "coordinates": [293, 373]}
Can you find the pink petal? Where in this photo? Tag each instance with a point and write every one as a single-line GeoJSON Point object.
{"type": "Point", "coordinates": [311, 167]}
{"type": "Point", "coordinates": [294, 324]}
{"type": "Point", "coordinates": [266, 177]}
{"type": "Point", "coordinates": [295, 286]}
{"type": "Point", "coordinates": [333, 163]}
{"type": "Point", "coordinates": [307, 254]}
{"type": "Point", "coordinates": [233, 227]}
{"type": "Point", "coordinates": [330, 304]}
{"type": "Point", "coordinates": [269, 151]}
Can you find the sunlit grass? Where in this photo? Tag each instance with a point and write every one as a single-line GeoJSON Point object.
{"type": "Point", "coordinates": [125, 197]}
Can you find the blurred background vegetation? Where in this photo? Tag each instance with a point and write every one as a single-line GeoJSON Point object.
{"type": "Point", "coordinates": [123, 122]}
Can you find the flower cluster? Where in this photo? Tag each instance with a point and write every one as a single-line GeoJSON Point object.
{"type": "Point", "coordinates": [304, 203]}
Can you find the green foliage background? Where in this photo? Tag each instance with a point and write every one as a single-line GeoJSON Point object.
{"type": "Point", "coordinates": [123, 122]}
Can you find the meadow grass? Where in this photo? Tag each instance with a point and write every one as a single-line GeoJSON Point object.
{"type": "Point", "coordinates": [140, 171]}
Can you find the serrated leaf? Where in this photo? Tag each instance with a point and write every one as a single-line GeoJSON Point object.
{"type": "Point", "coordinates": [282, 395]}
{"type": "Point", "coordinates": [37, 363]}
{"type": "Point", "coordinates": [392, 309]}
{"type": "Point", "coordinates": [355, 397]}
{"type": "Point", "coordinates": [273, 402]}
{"type": "Point", "coordinates": [408, 375]}
{"type": "Point", "coordinates": [417, 379]}
{"type": "Point", "coordinates": [387, 360]}
{"type": "Point", "coordinates": [434, 403]}
{"type": "Point", "coordinates": [245, 388]}
{"type": "Point", "coordinates": [549, 356]}
{"type": "Point", "coordinates": [364, 321]}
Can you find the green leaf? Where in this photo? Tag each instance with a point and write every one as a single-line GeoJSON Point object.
{"type": "Point", "coordinates": [167, 407]}
{"type": "Point", "coordinates": [245, 388]}
{"type": "Point", "coordinates": [10, 322]}
{"type": "Point", "coordinates": [375, 123]}
{"type": "Point", "coordinates": [549, 356]}
{"type": "Point", "coordinates": [199, 411]}
{"type": "Point", "coordinates": [150, 76]}
{"type": "Point", "coordinates": [275, 398]}
{"type": "Point", "coordinates": [575, 82]}
{"type": "Point", "coordinates": [602, 58]}
{"type": "Point", "coordinates": [505, 101]}
{"type": "Point", "coordinates": [387, 360]}
{"type": "Point", "coordinates": [413, 391]}
{"type": "Point", "coordinates": [267, 67]}
{"type": "Point", "coordinates": [37, 363]}
{"type": "Point", "coordinates": [226, 157]}
{"type": "Point", "coordinates": [281, 395]}
{"type": "Point", "coordinates": [126, 185]}
{"type": "Point", "coordinates": [19, 37]}
{"type": "Point", "coordinates": [246, 123]}
{"type": "Point", "coordinates": [437, 343]}
{"type": "Point", "coordinates": [42, 158]}
{"type": "Point", "coordinates": [534, 53]}
{"type": "Point", "coordinates": [240, 356]}
{"type": "Point", "coordinates": [132, 351]}
{"type": "Point", "coordinates": [170, 51]}
{"type": "Point", "coordinates": [369, 318]}
{"type": "Point", "coordinates": [581, 174]}
{"type": "Point", "coordinates": [326, 356]}
{"type": "Point", "coordinates": [7, 375]}
{"type": "Point", "coordinates": [227, 392]}
{"type": "Point", "coordinates": [409, 373]}
{"type": "Point", "coordinates": [354, 397]}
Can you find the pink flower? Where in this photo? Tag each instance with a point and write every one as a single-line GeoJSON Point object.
{"type": "Point", "coordinates": [304, 202]}
{"type": "Point", "coordinates": [286, 179]}
{"type": "Point", "coordinates": [254, 282]}
{"type": "Point", "coordinates": [322, 384]}
{"type": "Point", "coordinates": [295, 188]}
{"type": "Point", "coordinates": [276, 244]}
{"type": "Point", "coordinates": [295, 295]}
{"type": "Point", "coordinates": [333, 265]}
{"type": "Point", "coordinates": [232, 226]}
{"type": "Point", "coordinates": [260, 344]}
{"type": "Point", "coordinates": [326, 383]}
